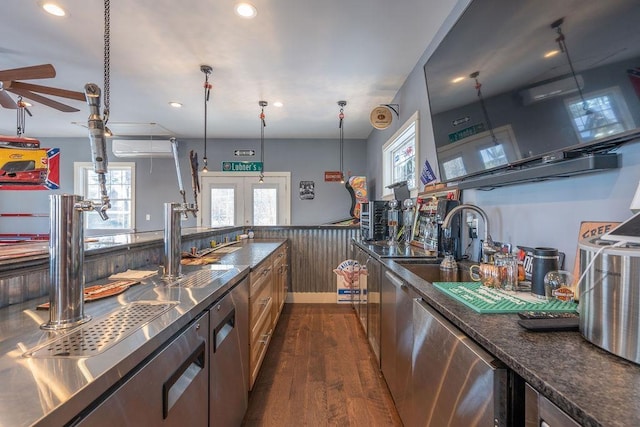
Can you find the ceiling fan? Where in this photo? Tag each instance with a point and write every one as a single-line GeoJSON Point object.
{"type": "Point", "coordinates": [9, 83]}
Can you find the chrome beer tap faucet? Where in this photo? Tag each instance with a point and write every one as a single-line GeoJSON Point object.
{"type": "Point", "coordinates": [66, 239]}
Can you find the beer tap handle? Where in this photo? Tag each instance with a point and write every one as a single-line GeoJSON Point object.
{"type": "Point", "coordinates": [98, 142]}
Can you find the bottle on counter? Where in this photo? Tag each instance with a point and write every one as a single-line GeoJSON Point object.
{"type": "Point", "coordinates": [448, 269]}
{"type": "Point", "coordinates": [250, 233]}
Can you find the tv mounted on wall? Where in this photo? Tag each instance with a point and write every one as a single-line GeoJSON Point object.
{"type": "Point", "coordinates": [529, 89]}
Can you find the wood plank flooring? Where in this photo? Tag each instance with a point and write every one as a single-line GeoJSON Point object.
{"type": "Point", "coordinates": [320, 371]}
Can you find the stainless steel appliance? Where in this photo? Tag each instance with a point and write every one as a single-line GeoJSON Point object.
{"type": "Point", "coordinates": [397, 341]}
{"type": "Point", "coordinates": [229, 360]}
{"type": "Point", "coordinates": [610, 297]}
{"type": "Point", "coordinates": [373, 220]}
{"type": "Point", "coordinates": [540, 412]}
{"type": "Point", "coordinates": [171, 389]}
{"type": "Point", "coordinates": [454, 381]}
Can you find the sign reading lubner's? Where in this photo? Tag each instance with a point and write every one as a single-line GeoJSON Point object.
{"type": "Point", "coordinates": [241, 166]}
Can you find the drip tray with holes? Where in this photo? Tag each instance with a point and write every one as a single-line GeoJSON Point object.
{"type": "Point", "coordinates": [202, 278]}
{"type": "Point", "coordinates": [100, 334]}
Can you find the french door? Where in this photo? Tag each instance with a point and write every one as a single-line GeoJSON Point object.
{"type": "Point", "coordinates": [235, 199]}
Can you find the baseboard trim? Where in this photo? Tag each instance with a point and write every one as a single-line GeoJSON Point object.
{"type": "Point", "coordinates": [312, 298]}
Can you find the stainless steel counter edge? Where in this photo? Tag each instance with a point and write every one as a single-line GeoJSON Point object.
{"type": "Point", "coordinates": [595, 387]}
{"type": "Point", "coordinates": [53, 390]}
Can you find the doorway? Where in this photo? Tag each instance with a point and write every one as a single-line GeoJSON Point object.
{"type": "Point", "coordinates": [230, 199]}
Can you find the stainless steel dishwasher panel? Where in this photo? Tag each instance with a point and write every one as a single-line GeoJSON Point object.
{"type": "Point", "coordinates": [454, 381]}
{"type": "Point", "coordinates": [171, 389]}
{"type": "Point", "coordinates": [229, 378]}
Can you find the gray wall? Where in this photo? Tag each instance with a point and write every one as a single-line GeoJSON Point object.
{"type": "Point", "coordinates": [535, 214]}
{"type": "Point", "coordinates": [156, 181]}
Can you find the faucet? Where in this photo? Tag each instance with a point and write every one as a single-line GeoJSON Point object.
{"type": "Point", "coordinates": [66, 225]}
{"type": "Point", "coordinates": [488, 248]}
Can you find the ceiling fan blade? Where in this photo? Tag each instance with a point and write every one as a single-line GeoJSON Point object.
{"type": "Point", "coordinates": [44, 71]}
{"type": "Point", "coordinates": [78, 96]}
{"type": "Point", "coordinates": [6, 101]}
{"type": "Point", "coordinates": [42, 100]}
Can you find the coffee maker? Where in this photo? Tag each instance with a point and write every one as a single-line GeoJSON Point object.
{"type": "Point", "coordinates": [429, 233]}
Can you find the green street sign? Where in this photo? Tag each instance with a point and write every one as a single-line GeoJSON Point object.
{"type": "Point", "coordinates": [241, 166]}
{"type": "Point", "coordinates": [466, 132]}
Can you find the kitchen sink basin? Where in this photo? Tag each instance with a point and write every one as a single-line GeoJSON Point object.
{"type": "Point", "coordinates": [429, 270]}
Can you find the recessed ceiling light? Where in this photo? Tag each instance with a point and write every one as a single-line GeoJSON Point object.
{"type": "Point", "coordinates": [457, 80]}
{"type": "Point", "coordinates": [246, 10]}
{"type": "Point", "coordinates": [551, 53]}
{"type": "Point", "coordinates": [278, 104]}
{"type": "Point", "coordinates": [175, 104]}
{"type": "Point", "coordinates": [53, 9]}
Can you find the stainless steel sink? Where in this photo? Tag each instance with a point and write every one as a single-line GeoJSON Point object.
{"type": "Point", "coordinates": [429, 270]}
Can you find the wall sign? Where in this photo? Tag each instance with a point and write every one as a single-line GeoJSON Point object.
{"type": "Point", "coordinates": [466, 132]}
{"type": "Point", "coordinates": [241, 166]}
{"type": "Point", "coordinates": [244, 153]}
{"type": "Point", "coordinates": [332, 176]}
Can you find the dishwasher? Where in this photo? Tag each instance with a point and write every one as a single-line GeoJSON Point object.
{"type": "Point", "coordinates": [168, 390]}
{"type": "Point", "coordinates": [455, 382]}
{"type": "Point", "coordinates": [229, 356]}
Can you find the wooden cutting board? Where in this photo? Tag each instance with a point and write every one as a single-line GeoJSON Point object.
{"type": "Point", "coordinates": [96, 292]}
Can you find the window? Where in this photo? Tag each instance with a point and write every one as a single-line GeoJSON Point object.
{"type": "Point", "coordinates": [602, 114]}
{"type": "Point", "coordinates": [400, 157]}
{"type": "Point", "coordinates": [120, 188]}
{"type": "Point", "coordinates": [232, 199]}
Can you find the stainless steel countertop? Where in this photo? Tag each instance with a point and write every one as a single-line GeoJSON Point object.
{"type": "Point", "coordinates": [53, 390]}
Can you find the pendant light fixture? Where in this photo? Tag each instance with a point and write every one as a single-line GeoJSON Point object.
{"type": "Point", "coordinates": [342, 104]}
{"type": "Point", "coordinates": [474, 76]}
{"type": "Point", "coordinates": [562, 44]}
{"type": "Point", "coordinates": [263, 124]}
{"type": "Point", "coordinates": [207, 70]}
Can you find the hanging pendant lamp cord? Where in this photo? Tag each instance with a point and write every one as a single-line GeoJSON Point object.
{"type": "Point", "coordinates": [263, 124]}
{"type": "Point", "coordinates": [484, 110]}
{"type": "Point", "coordinates": [207, 93]}
{"type": "Point", "coordinates": [563, 48]}
{"type": "Point", "coordinates": [341, 125]}
{"type": "Point", "coordinates": [107, 59]}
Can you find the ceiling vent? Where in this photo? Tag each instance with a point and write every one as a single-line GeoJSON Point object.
{"type": "Point", "coordinates": [551, 90]}
{"type": "Point", "coordinates": [142, 148]}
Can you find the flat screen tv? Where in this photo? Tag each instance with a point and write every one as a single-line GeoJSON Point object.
{"type": "Point", "coordinates": [527, 82]}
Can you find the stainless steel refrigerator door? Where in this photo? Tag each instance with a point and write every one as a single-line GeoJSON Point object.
{"type": "Point", "coordinates": [229, 382]}
{"type": "Point", "coordinates": [169, 390]}
{"type": "Point", "coordinates": [454, 381]}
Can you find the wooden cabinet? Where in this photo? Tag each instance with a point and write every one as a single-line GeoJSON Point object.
{"type": "Point", "coordinates": [280, 280]}
{"type": "Point", "coordinates": [267, 294]}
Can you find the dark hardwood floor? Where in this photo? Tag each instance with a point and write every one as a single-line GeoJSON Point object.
{"type": "Point", "coordinates": [320, 371]}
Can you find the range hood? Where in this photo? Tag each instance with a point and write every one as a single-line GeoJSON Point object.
{"type": "Point", "coordinates": [542, 171]}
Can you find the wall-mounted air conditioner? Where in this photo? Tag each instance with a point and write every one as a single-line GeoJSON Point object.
{"type": "Point", "coordinates": [142, 148]}
{"type": "Point", "coordinates": [551, 90]}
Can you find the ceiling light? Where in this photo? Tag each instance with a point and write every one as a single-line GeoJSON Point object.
{"type": "Point", "coordinates": [278, 104]}
{"type": "Point", "coordinates": [175, 104]}
{"type": "Point", "coordinates": [551, 53]}
{"type": "Point", "coordinates": [246, 10]}
{"type": "Point", "coordinates": [53, 9]}
{"type": "Point", "coordinates": [457, 80]}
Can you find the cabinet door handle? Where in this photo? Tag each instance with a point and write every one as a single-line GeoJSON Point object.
{"type": "Point", "coordinates": [266, 337]}
{"type": "Point", "coordinates": [223, 329]}
{"type": "Point", "coordinates": [186, 373]}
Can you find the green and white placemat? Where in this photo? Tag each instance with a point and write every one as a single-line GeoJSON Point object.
{"type": "Point", "coordinates": [489, 300]}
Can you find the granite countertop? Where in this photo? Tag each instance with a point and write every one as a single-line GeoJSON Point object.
{"type": "Point", "coordinates": [593, 386]}
{"type": "Point", "coordinates": [51, 390]}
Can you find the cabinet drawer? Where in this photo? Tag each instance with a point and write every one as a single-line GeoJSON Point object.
{"type": "Point", "coordinates": [260, 337]}
{"type": "Point", "coordinates": [259, 299]}
{"type": "Point", "coordinates": [260, 276]}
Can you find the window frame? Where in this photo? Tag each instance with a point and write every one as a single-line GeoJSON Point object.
{"type": "Point", "coordinates": [79, 185]}
{"type": "Point", "coordinates": [397, 140]}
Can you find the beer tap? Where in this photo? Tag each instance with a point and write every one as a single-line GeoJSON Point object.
{"type": "Point", "coordinates": [185, 207]}
{"type": "Point", "coordinates": [98, 141]}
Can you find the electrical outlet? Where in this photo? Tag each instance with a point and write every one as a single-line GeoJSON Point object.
{"type": "Point", "coordinates": [148, 217]}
